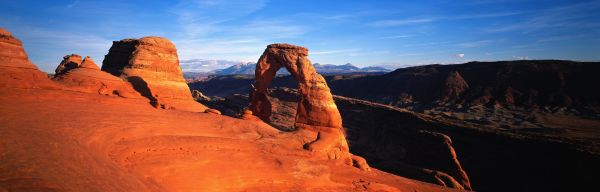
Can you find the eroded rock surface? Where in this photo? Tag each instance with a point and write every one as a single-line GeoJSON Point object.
{"type": "Point", "coordinates": [63, 140]}
{"type": "Point", "coordinates": [15, 67]}
{"type": "Point", "coordinates": [151, 65]}
{"type": "Point", "coordinates": [86, 76]}
{"type": "Point", "coordinates": [69, 62]}
{"type": "Point", "coordinates": [391, 139]}
{"type": "Point", "coordinates": [316, 110]}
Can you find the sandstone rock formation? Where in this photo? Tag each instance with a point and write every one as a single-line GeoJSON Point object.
{"type": "Point", "coordinates": [316, 110]}
{"type": "Point", "coordinates": [63, 140]}
{"type": "Point", "coordinates": [88, 63]}
{"type": "Point", "coordinates": [69, 62]}
{"type": "Point", "coordinates": [86, 76]}
{"type": "Point", "coordinates": [15, 66]}
{"type": "Point", "coordinates": [151, 65]}
{"type": "Point", "coordinates": [396, 146]}
{"type": "Point", "coordinates": [198, 96]}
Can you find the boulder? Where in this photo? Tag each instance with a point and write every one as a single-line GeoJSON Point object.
{"type": "Point", "coordinates": [199, 96]}
{"type": "Point", "coordinates": [213, 111]}
{"type": "Point", "coordinates": [16, 71]}
{"type": "Point", "coordinates": [151, 65]}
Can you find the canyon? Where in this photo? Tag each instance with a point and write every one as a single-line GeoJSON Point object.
{"type": "Point", "coordinates": [498, 131]}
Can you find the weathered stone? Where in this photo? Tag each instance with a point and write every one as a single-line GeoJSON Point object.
{"type": "Point", "coordinates": [86, 77]}
{"type": "Point", "coordinates": [316, 110]}
{"type": "Point", "coordinates": [151, 65]}
{"type": "Point", "coordinates": [16, 69]}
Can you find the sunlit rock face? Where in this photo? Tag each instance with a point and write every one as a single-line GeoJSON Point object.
{"type": "Point", "coordinates": [316, 107]}
{"type": "Point", "coordinates": [316, 114]}
{"type": "Point", "coordinates": [85, 76]}
{"type": "Point", "coordinates": [16, 67]}
{"type": "Point", "coordinates": [152, 66]}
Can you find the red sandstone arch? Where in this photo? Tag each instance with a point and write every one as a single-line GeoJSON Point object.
{"type": "Point", "coordinates": [316, 108]}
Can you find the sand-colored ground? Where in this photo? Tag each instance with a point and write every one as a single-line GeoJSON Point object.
{"type": "Point", "coordinates": [55, 140]}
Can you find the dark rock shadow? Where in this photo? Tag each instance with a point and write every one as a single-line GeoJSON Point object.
{"type": "Point", "coordinates": [142, 87]}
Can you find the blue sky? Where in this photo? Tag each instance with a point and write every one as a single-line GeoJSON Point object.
{"type": "Point", "coordinates": [383, 33]}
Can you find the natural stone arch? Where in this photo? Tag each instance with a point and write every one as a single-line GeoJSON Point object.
{"type": "Point", "coordinates": [316, 108]}
{"type": "Point", "coordinates": [316, 112]}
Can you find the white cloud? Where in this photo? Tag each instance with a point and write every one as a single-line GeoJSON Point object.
{"type": "Point", "coordinates": [460, 55]}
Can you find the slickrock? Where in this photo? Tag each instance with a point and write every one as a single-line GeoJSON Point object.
{"type": "Point", "coordinates": [316, 110]}
{"type": "Point", "coordinates": [63, 140]}
{"type": "Point", "coordinates": [152, 66]}
{"type": "Point", "coordinates": [16, 71]}
{"type": "Point", "coordinates": [85, 76]}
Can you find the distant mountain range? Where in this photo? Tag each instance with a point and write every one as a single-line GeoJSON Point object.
{"type": "Point", "coordinates": [248, 69]}
{"type": "Point", "coordinates": [195, 70]}
{"type": "Point", "coordinates": [207, 65]}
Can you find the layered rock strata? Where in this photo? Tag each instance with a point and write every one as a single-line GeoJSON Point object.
{"type": "Point", "coordinates": [152, 66]}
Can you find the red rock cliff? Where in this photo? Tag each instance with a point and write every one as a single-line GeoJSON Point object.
{"type": "Point", "coordinates": [15, 64]}
{"type": "Point", "coordinates": [151, 64]}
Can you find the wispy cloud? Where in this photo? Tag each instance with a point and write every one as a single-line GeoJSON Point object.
{"type": "Point", "coordinates": [572, 16]}
{"type": "Point", "coordinates": [398, 22]}
{"type": "Point", "coordinates": [475, 43]}
{"type": "Point", "coordinates": [271, 28]}
{"type": "Point", "coordinates": [71, 5]}
{"type": "Point", "coordinates": [50, 45]}
{"type": "Point", "coordinates": [482, 16]}
{"type": "Point", "coordinates": [330, 52]}
{"type": "Point", "coordinates": [199, 17]}
{"type": "Point", "coordinates": [559, 38]}
{"type": "Point", "coordinates": [216, 29]}
{"type": "Point", "coordinates": [430, 44]}
{"type": "Point", "coordinates": [396, 37]}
